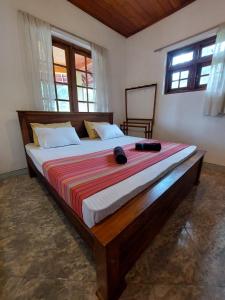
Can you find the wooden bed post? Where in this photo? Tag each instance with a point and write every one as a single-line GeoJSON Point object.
{"type": "Point", "coordinates": [110, 284]}
{"type": "Point", "coordinates": [31, 171]}
{"type": "Point", "coordinates": [199, 171]}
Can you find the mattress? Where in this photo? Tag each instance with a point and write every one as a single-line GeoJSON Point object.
{"type": "Point", "coordinates": [104, 203]}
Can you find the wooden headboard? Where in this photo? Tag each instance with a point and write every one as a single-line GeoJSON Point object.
{"type": "Point", "coordinates": [45, 117]}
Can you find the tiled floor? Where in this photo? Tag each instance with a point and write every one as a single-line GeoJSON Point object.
{"type": "Point", "coordinates": [42, 256]}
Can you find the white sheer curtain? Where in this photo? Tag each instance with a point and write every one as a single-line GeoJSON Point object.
{"type": "Point", "coordinates": [99, 56]}
{"type": "Point", "coordinates": [215, 93]}
{"type": "Point", "coordinates": [39, 67]}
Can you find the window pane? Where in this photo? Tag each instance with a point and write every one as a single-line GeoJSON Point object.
{"type": "Point", "coordinates": [222, 46]}
{"type": "Point", "coordinates": [91, 95]}
{"type": "Point", "coordinates": [46, 105]}
{"type": "Point", "coordinates": [174, 84]}
{"type": "Point", "coordinates": [59, 56]}
{"type": "Point", "coordinates": [176, 76]}
{"type": "Point", "coordinates": [60, 74]}
{"type": "Point", "coordinates": [90, 80]}
{"type": "Point", "coordinates": [208, 50]}
{"type": "Point", "coordinates": [91, 107]}
{"type": "Point", "coordinates": [62, 91]}
{"type": "Point", "coordinates": [183, 83]}
{"type": "Point", "coordinates": [64, 105]}
{"type": "Point", "coordinates": [82, 107]}
{"type": "Point", "coordinates": [184, 74]}
{"type": "Point", "coordinates": [204, 80]}
{"type": "Point", "coordinates": [182, 58]}
{"type": "Point", "coordinates": [81, 78]}
{"type": "Point", "coordinates": [80, 62]}
{"type": "Point", "coordinates": [89, 64]}
{"type": "Point", "coordinates": [205, 70]}
{"type": "Point", "coordinates": [82, 94]}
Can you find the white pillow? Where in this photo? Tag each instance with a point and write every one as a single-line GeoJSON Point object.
{"type": "Point", "coordinates": [108, 131]}
{"type": "Point", "coordinates": [57, 137]}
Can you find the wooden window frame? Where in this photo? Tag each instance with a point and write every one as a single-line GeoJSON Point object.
{"type": "Point", "coordinates": [70, 51]}
{"type": "Point", "coordinates": [194, 66]}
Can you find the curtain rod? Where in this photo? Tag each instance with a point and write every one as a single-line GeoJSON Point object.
{"type": "Point", "coordinates": [56, 27]}
{"type": "Point", "coordinates": [187, 38]}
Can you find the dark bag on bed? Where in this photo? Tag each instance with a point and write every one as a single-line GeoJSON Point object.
{"type": "Point", "coordinates": [120, 155]}
{"type": "Point", "coordinates": [148, 146]}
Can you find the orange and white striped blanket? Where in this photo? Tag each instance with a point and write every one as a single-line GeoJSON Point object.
{"type": "Point", "coordinates": [78, 177]}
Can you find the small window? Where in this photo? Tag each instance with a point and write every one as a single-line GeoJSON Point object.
{"type": "Point", "coordinates": [208, 50]}
{"type": "Point", "coordinates": [204, 75]}
{"type": "Point", "coordinates": [60, 65]}
{"type": "Point", "coordinates": [84, 82]}
{"type": "Point", "coordinates": [188, 68]}
{"type": "Point", "coordinates": [73, 76]}
{"type": "Point", "coordinates": [182, 58]}
{"type": "Point", "coordinates": [180, 79]}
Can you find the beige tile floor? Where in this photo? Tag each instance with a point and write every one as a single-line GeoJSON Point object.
{"type": "Point", "coordinates": [42, 256]}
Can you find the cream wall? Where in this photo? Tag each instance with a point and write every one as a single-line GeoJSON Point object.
{"type": "Point", "coordinates": [13, 93]}
{"type": "Point", "coordinates": [179, 116]}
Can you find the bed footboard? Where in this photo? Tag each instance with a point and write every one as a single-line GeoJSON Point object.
{"type": "Point", "coordinates": [121, 238]}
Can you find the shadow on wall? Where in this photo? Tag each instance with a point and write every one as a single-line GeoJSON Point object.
{"type": "Point", "coordinates": [136, 132]}
{"type": "Point", "coordinates": [16, 155]}
{"type": "Point", "coordinates": [169, 134]}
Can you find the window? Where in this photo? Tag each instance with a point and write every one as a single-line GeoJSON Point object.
{"type": "Point", "coordinates": [188, 68]}
{"type": "Point", "coordinates": [73, 77]}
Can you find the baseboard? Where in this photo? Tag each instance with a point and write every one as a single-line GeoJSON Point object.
{"type": "Point", "coordinates": [14, 173]}
{"type": "Point", "coordinates": [211, 166]}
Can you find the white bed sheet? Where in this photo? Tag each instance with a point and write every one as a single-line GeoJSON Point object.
{"type": "Point", "coordinates": [102, 204]}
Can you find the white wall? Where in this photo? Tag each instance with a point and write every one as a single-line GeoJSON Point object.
{"type": "Point", "coordinates": [179, 116]}
{"type": "Point", "coordinates": [13, 93]}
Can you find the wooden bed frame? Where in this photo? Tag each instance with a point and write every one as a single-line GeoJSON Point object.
{"type": "Point", "coordinates": [118, 240]}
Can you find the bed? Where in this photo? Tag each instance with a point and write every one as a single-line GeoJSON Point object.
{"type": "Point", "coordinates": [119, 232]}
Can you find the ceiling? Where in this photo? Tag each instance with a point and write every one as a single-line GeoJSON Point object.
{"type": "Point", "coordinates": [130, 16]}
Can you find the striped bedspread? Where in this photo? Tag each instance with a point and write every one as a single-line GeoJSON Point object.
{"type": "Point", "coordinates": [78, 177]}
